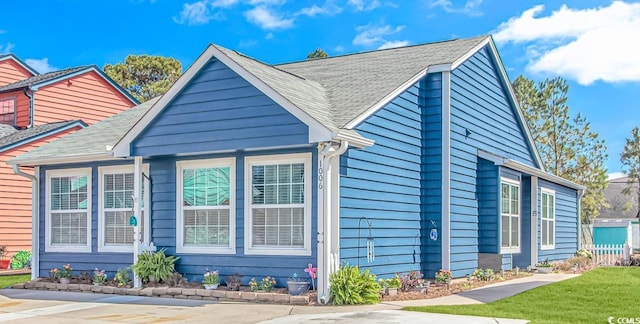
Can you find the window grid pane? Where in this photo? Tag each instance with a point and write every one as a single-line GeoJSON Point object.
{"type": "Point", "coordinates": [510, 215]}
{"type": "Point", "coordinates": [7, 111]}
{"type": "Point", "coordinates": [68, 204]}
{"type": "Point", "coordinates": [277, 205]}
{"type": "Point", "coordinates": [206, 198]}
{"type": "Point", "coordinates": [118, 208]}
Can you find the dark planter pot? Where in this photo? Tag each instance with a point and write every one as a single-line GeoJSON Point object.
{"type": "Point", "coordinates": [297, 287]}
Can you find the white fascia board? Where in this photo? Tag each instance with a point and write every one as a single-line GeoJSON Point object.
{"type": "Point", "coordinates": [519, 166]}
{"type": "Point", "coordinates": [317, 131]}
{"type": "Point", "coordinates": [123, 147]}
{"type": "Point", "coordinates": [65, 160]}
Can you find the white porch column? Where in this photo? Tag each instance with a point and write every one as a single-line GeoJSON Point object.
{"type": "Point", "coordinates": [534, 220]}
{"type": "Point", "coordinates": [137, 211]}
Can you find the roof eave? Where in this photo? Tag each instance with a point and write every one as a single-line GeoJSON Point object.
{"type": "Point", "coordinates": [50, 132]}
{"type": "Point", "coordinates": [519, 166]}
{"type": "Point", "coordinates": [81, 158]}
{"type": "Point", "coordinates": [353, 138]}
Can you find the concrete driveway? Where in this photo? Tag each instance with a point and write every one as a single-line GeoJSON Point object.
{"type": "Point", "coordinates": [29, 306]}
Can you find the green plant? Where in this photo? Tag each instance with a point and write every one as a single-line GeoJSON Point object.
{"type": "Point", "coordinates": [155, 264]}
{"type": "Point", "coordinates": [99, 276]}
{"type": "Point", "coordinates": [66, 271]}
{"type": "Point", "coordinates": [211, 277]}
{"type": "Point", "coordinates": [253, 285]}
{"type": "Point", "coordinates": [545, 264]}
{"type": "Point", "coordinates": [267, 283]}
{"type": "Point", "coordinates": [54, 274]}
{"type": "Point", "coordinates": [443, 275]}
{"type": "Point", "coordinates": [349, 285]}
{"type": "Point", "coordinates": [122, 277]}
{"type": "Point", "coordinates": [21, 260]}
{"type": "Point", "coordinates": [584, 253]}
{"type": "Point", "coordinates": [394, 282]}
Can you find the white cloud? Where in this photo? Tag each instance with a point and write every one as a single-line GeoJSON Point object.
{"type": "Point", "coordinates": [6, 48]}
{"type": "Point", "coordinates": [470, 8]}
{"type": "Point", "coordinates": [329, 8]}
{"type": "Point", "coordinates": [266, 2]}
{"type": "Point", "coordinates": [374, 35]}
{"type": "Point", "coordinates": [339, 49]}
{"type": "Point", "coordinates": [266, 19]}
{"type": "Point", "coordinates": [393, 44]}
{"type": "Point", "coordinates": [223, 3]}
{"type": "Point", "coordinates": [197, 13]}
{"type": "Point", "coordinates": [41, 65]}
{"type": "Point", "coordinates": [581, 44]}
{"type": "Point", "coordinates": [364, 5]}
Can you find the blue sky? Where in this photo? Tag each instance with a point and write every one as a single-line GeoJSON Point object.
{"type": "Point", "coordinates": [595, 45]}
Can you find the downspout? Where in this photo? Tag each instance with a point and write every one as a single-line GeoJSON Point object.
{"type": "Point", "coordinates": [327, 202]}
{"type": "Point", "coordinates": [35, 228]}
{"type": "Point", "coordinates": [31, 105]}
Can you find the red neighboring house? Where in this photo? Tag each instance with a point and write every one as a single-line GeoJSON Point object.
{"type": "Point", "coordinates": [36, 109]}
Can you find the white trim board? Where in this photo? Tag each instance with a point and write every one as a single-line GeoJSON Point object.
{"type": "Point", "coordinates": [446, 171]}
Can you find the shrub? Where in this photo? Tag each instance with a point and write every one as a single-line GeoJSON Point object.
{"type": "Point", "coordinates": [351, 286]}
{"type": "Point", "coordinates": [584, 253]}
{"type": "Point", "coordinates": [411, 280]}
{"type": "Point", "coordinates": [155, 264]}
{"type": "Point", "coordinates": [578, 262]}
{"type": "Point", "coordinates": [443, 275]}
{"type": "Point", "coordinates": [122, 277]}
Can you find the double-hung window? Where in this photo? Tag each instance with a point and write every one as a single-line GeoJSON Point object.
{"type": "Point", "coordinates": [115, 184]}
{"type": "Point", "coordinates": [8, 111]}
{"type": "Point", "coordinates": [510, 216]}
{"type": "Point", "coordinates": [548, 219]}
{"type": "Point", "coordinates": [278, 204]}
{"type": "Point", "coordinates": [68, 214]}
{"type": "Point", "coordinates": [206, 206]}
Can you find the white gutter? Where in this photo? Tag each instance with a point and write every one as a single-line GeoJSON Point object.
{"type": "Point", "coordinates": [328, 214]}
{"type": "Point", "coordinates": [35, 229]}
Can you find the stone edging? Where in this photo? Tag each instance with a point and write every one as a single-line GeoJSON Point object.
{"type": "Point", "coordinates": [170, 292]}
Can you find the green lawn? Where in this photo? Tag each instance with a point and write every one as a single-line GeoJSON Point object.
{"type": "Point", "coordinates": [6, 281]}
{"type": "Point", "coordinates": [589, 298]}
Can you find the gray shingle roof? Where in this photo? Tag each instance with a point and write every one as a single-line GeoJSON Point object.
{"type": "Point", "coordinates": [358, 81]}
{"type": "Point", "coordinates": [333, 91]}
{"type": "Point", "coordinates": [21, 135]}
{"type": "Point", "coordinates": [6, 130]}
{"type": "Point", "coordinates": [92, 140]}
{"type": "Point", "coordinates": [34, 80]}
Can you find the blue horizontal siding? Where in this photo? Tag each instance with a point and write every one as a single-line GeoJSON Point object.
{"type": "Point", "coordinates": [383, 184]}
{"type": "Point", "coordinates": [566, 237]}
{"type": "Point", "coordinates": [163, 228]}
{"type": "Point", "coordinates": [219, 111]}
{"type": "Point", "coordinates": [488, 203]}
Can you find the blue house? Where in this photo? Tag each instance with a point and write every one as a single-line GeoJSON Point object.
{"type": "Point", "coordinates": [258, 169]}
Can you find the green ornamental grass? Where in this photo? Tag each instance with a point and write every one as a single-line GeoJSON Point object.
{"type": "Point", "coordinates": [590, 298]}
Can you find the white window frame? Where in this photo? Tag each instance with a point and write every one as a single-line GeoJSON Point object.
{"type": "Point", "coordinates": [15, 108]}
{"type": "Point", "coordinates": [119, 169]}
{"type": "Point", "coordinates": [552, 236]}
{"type": "Point", "coordinates": [206, 163]}
{"type": "Point", "coordinates": [68, 173]}
{"type": "Point", "coordinates": [250, 161]}
{"type": "Point", "coordinates": [511, 248]}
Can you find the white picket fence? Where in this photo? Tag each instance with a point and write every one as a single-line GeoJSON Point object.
{"type": "Point", "coordinates": [609, 254]}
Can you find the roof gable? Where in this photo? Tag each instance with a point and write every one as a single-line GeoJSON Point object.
{"type": "Point", "coordinates": [20, 62]}
{"type": "Point", "coordinates": [285, 89]}
{"type": "Point", "coordinates": [42, 80]}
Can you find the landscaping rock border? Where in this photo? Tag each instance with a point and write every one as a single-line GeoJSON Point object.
{"type": "Point", "coordinates": [171, 292]}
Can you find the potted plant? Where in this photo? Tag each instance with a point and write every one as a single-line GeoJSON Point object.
{"type": "Point", "coordinates": [393, 284]}
{"type": "Point", "coordinates": [444, 277]}
{"type": "Point", "coordinates": [297, 286]}
{"type": "Point", "coordinates": [99, 277]}
{"type": "Point", "coordinates": [63, 275]}
{"type": "Point", "coordinates": [4, 263]}
{"type": "Point", "coordinates": [211, 279]}
{"type": "Point", "coordinates": [545, 266]}
{"type": "Point", "coordinates": [154, 266]}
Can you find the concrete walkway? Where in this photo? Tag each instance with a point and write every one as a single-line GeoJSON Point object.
{"type": "Point", "coordinates": [389, 312]}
